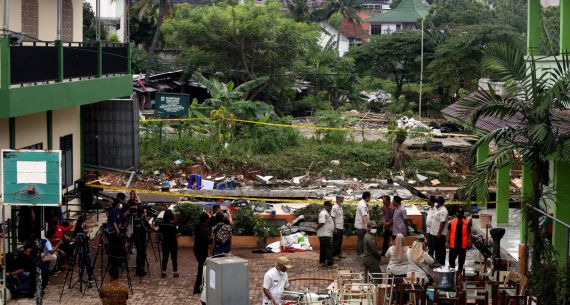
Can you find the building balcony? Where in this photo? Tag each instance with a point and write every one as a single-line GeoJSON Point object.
{"type": "Point", "coordinates": [41, 76]}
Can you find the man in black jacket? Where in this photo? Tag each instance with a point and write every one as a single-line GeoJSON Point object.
{"type": "Point", "coordinates": [201, 244]}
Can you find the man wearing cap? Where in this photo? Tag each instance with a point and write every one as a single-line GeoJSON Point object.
{"type": "Point", "coordinates": [276, 281]}
{"type": "Point", "coordinates": [459, 239]}
{"type": "Point", "coordinates": [371, 255]}
{"type": "Point", "coordinates": [338, 219]}
{"type": "Point", "coordinates": [439, 229]}
{"type": "Point", "coordinates": [325, 229]}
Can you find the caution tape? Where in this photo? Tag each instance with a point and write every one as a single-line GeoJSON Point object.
{"type": "Point", "coordinates": [313, 127]}
{"type": "Point", "coordinates": [218, 197]}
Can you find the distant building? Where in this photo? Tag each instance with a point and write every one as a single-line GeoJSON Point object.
{"type": "Point", "coordinates": [404, 16]}
{"type": "Point", "coordinates": [377, 6]}
{"type": "Point", "coordinates": [350, 33]}
{"type": "Point", "coordinates": [112, 16]}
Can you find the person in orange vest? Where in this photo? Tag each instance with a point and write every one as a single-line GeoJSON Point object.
{"type": "Point", "coordinates": [458, 239]}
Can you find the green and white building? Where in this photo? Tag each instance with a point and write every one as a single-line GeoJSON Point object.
{"type": "Point", "coordinates": [47, 74]}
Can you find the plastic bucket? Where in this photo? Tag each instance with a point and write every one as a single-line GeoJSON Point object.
{"type": "Point", "coordinates": [484, 220]}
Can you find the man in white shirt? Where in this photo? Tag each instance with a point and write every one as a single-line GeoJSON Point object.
{"type": "Point", "coordinates": [338, 218]}
{"type": "Point", "coordinates": [276, 281]}
{"type": "Point", "coordinates": [361, 221]}
{"type": "Point", "coordinates": [325, 229]}
{"type": "Point", "coordinates": [439, 229]}
{"type": "Point", "coordinates": [430, 236]}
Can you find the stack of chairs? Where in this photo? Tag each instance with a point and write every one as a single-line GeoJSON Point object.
{"type": "Point", "coordinates": [385, 285]}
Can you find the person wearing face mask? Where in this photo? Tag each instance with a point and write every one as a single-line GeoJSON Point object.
{"type": "Point", "coordinates": [371, 255]}
{"type": "Point", "coordinates": [276, 281]}
{"type": "Point", "coordinates": [439, 229]}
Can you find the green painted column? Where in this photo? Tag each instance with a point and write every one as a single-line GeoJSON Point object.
{"type": "Point", "coordinates": [4, 63]}
{"type": "Point", "coordinates": [561, 210]}
{"type": "Point", "coordinates": [564, 26]}
{"type": "Point", "coordinates": [99, 45]}
{"type": "Point", "coordinates": [534, 27]}
{"type": "Point", "coordinates": [503, 194]}
{"type": "Point", "coordinates": [482, 155]}
{"type": "Point", "coordinates": [59, 46]}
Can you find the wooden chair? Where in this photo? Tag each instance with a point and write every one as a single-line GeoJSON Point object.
{"type": "Point", "coordinates": [416, 294]}
{"type": "Point", "coordinates": [458, 299]}
{"type": "Point", "coordinates": [507, 299]}
{"type": "Point", "coordinates": [479, 296]}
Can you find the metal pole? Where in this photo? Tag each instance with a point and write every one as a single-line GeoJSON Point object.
{"type": "Point", "coordinates": [127, 22]}
{"type": "Point", "coordinates": [59, 23]}
{"type": "Point", "coordinates": [6, 15]}
{"type": "Point", "coordinates": [421, 71]}
{"type": "Point", "coordinates": [98, 20]}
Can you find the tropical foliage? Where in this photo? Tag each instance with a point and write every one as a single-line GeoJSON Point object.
{"type": "Point", "coordinates": [534, 101]}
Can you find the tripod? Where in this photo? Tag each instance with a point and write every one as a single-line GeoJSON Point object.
{"type": "Point", "coordinates": [81, 253]}
{"type": "Point", "coordinates": [117, 255]}
{"type": "Point", "coordinates": [141, 244]}
{"type": "Point", "coordinates": [102, 249]}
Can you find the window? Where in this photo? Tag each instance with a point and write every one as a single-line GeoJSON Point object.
{"type": "Point", "coordinates": [35, 146]}
{"type": "Point", "coordinates": [398, 27]}
{"type": "Point", "coordinates": [66, 147]}
{"type": "Point", "coordinates": [376, 29]}
{"type": "Point", "coordinates": [354, 41]}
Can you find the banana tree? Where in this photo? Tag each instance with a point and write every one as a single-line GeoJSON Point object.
{"type": "Point", "coordinates": [224, 94]}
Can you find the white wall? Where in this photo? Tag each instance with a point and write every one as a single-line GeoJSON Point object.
{"type": "Point", "coordinates": [329, 33]}
{"type": "Point", "coordinates": [47, 18]}
{"type": "Point", "coordinates": [67, 121]}
{"type": "Point", "coordinates": [112, 9]}
{"type": "Point", "coordinates": [14, 15]}
{"type": "Point", "coordinates": [31, 129]}
{"type": "Point", "coordinates": [388, 27]}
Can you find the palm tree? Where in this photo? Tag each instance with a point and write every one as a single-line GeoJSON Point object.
{"type": "Point", "coordinates": [534, 101]}
{"type": "Point", "coordinates": [348, 9]}
{"type": "Point", "coordinates": [146, 8]}
{"type": "Point", "coordinates": [299, 10]}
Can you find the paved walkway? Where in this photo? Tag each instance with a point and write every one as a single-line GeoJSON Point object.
{"type": "Point", "coordinates": [171, 291]}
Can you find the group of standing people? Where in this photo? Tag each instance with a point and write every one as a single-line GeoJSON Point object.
{"type": "Point", "coordinates": [394, 220]}
{"type": "Point", "coordinates": [443, 233]}
{"type": "Point", "coordinates": [425, 251]}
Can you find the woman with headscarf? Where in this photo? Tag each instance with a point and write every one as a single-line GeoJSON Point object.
{"type": "Point", "coordinates": [419, 260]}
{"type": "Point", "coordinates": [398, 264]}
{"type": "Point", "coordinates": [169, 232]}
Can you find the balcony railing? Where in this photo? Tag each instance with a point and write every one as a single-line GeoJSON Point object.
{"type": "Point", "coordinates": [44, 62]}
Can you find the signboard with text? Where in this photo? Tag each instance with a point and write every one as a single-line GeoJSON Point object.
{"type": "Point", "coordinates": [31, 177]}
{"type": "Point", "coordinates": [171, 105]}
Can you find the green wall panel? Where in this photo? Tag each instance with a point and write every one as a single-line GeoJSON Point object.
{"type": "Point", "coordinates": [32, 99]}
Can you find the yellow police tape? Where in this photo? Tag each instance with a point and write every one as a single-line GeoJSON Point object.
{"type": "Point", "coordinates": [308, 126]}
{"type": "Point", "coordinates": [280, 200]}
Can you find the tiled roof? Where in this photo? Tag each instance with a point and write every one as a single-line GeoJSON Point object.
{"type": "Point", "coordinates": [356, 30]}
{"type": "Point", "coordinates": [408, 11]}
{"type": "Point", "coordinates": [491, 123]}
